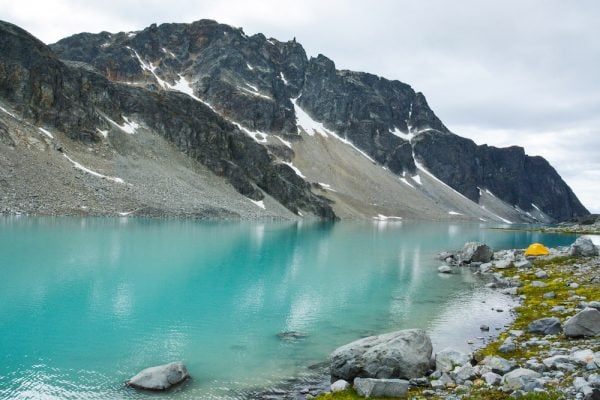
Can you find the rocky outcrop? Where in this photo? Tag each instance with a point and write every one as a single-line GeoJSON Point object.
{"type": "Point", "coordinates": [583, 247]}
{"type": "Point", "coordinates": [83, 103]}
{"type": "Point", "coordinates": [159, 378]}
{"type": "Point", "coordinates": [252, 80]}
{"type": "Point", "coordinates": [402, 354]}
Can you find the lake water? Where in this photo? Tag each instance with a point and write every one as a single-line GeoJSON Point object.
{"type": "Point", "coordinates": [87, 303]}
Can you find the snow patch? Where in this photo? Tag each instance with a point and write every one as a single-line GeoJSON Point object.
{"type": "Point", "coordinates": [104, 133]}
{"type": "Point", "coordinates": [497, 216]}
{"type": "Point", "coordinates": [94, 173]}
{"type": "Point", "coordinates": [8, 112]}
{"type": "Point", "coordinates": [406, 182]}
{"type": "Point", "coordinates": [258, 136]}
{"type": "Point", "coordinates": [406, 136]}
{"type": "Point", "coordinates": [310, 126]}
{"type": "Point", "coordinates": [490, 193]}
{"type": "Point", "coordinates": [149, 67]}
{"type": "Point", "coordinates": [327, 186]}
{"type": "Point", "coordinates": [285, 81]}
{"type": "Point", "coordinates": [45, 132]}
{"type": "Point", "coordinates": [254, 91]}
{"type": "Point", "coordinates": [131, 34]}
{"type": "Point", "coordinates": [288, 144]}
{"type": "Point", "coordinates": [124, 214]}
{"type": "Point", "coordinates": [272, 42]}
{"type": "Point", "coordinates": [483, 219]}
{"type": "Point", "coordinates": [536, 207]}
{"type": "Point", "coordinates": [417, 179]}
{"type": "Point", "coordinates": [128, 127]}
{"type": "Point", "coordinates": [422, 168]}
{"type": "Point", "coordinates": [296, 170]}
{"type": "Point", "coordinates": [169, 52]}
{"type": "Point", "coordinates": [105, 45]}
{"type": "Point", "coordinates": [454, 213]}
{"type": "Point", "coordinates": [250, 67]}
{"type": "Point", "coordinates": [259, 203]}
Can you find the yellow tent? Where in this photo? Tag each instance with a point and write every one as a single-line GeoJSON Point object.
{"type": "Point", "coordinates": [537, 249]}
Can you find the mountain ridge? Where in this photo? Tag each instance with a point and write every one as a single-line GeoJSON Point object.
{"type": "Point", "coordinates": [257, 87]}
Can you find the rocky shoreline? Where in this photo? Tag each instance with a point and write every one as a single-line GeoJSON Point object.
{"type": "Point", "coordinates": [550, 351]}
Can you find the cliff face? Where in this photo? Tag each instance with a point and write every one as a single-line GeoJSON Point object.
{"type": "Point", "coordinates": [241, 111]}
{"type": "Point", "coordinates": [83, 103]}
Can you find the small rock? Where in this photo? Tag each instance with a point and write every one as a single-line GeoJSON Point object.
{"type": "Point", "coordinates": [499, 365]}
{"type": "Point", "coordinates": [538, 284]}
{"type": "Point", "coordinates": [368, 387]}
{"type": "Point", "coordinates": [541, 274]}
{"type": "Point", "coordinates": [552, 362]}
{"type": "Point", "coordinates": [546, 326]}
{"type": "Point", "coordinates": [291, 335]}
{"type": "Point", "coordinates": [549, 295]}
{"type": "Point", "coordinates": [584, 323]}
{"type": "Point", "coordinates": [161, 377]}
{"type": "Point", "coordinates": [573, 285]}
{"type": "Point", "coordinates": [502, 264]}
{"type": "Point", "coordinates": [419, 382]}
{"type": "Point", "coordinates": [583, 357]}
{"type": "Point", "coordinates": [515, 332]}
{"type": "Point", "coordinates": [522, 264]}
{"type": "Point", "coordinates": [492, 379]}
{"type": "Point", "coordinates": [508, 346]}
{"type": "Point", "coordinates": [464, 373]}
{"type": "Point", "coordinates": [484, 327]}
{"type": "Point", "coordinates": [339, 385]}
{"type": "Point", "coordinates": [444, 269]}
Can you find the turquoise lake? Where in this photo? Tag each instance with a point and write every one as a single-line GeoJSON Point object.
{"type": "Point", "coordinates": [87, 303]}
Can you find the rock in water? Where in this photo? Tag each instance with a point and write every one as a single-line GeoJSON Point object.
{"type": "Point", "coordinates": [583, 247]}
{"type": "Point", "coordinates": [380, 387]}
{"type": "Point", "coordinates": [161, 377]}
{"type": "Point", "coordinates": [291, 335]}
{"type": "Point", "coordinates": [447, 359]}
{"type": "Point", "coordinates": [545, 326]}
{"type": "Point", "coordinates": [444, 269]}
{"type": "Point", "coordinates": [585, 323]}
{"type": "Point", "coordinates": [403, 354]}
{"type": "Point", "coordinates": [476, 252]}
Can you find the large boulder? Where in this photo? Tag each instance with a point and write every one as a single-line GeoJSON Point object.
{"type": "Point", "coordinates": [517, 379]}
{"type": "Point", "coordinates": [161, 377]}
{"type": "Point", "coordinates": [545, 326]}
{"type": "Point", "coordinates": [367, 387]}
{"type": "Point", "coordinates": [585, 323]}
{"type": "Point", "coordinates": [583, 247]}
{"type": "Point", "coordinates": [403, 354]}
{"type": "Point", "coordinates": [476, 252]}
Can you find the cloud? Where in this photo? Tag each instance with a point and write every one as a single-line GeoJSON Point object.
{"type": "Point", "coordinates": [526, 69]}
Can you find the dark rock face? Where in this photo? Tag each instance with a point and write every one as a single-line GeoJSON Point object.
{"type": "Point", "coordinates": [79, 102]}
{"type": "Point", "coordinates": [249, 81]}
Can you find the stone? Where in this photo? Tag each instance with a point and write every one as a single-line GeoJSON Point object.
{"type": "Point", "coordinates": [579, 382]}
{"type": "Point", "coordinates": [522, 264]}
{"type": "Point", "coordinates": [499, 365]}
{"type": "Point", "coordinates": [517, 379]}
{"type": "Point", "coordinates": [419, 382]}
{"type": "Point", "coordinates": [476, 252]}
{"type": "Point", "coordinates": [444, 269]}
{"type": "Point", "coordinates": [573, 285]}
{"type": "Point", "coordinates": [502, 264]}
{"type": "Point", "coordinates": [464, 373]}
{"type": "Point", "coordinates": [447, 359]}
{"type": "Point", "coordinates": [538, 284]}
{"type": "Point", "coordinates": [159, 378]}
{"type": "Point", "coordinates": [507, 346]}
{"type": "Point", "coordinates": [515, 332]}
{"type": "Point", "coordinates": [552, 362]}
{"type": "Point", "coordinates": [368, 387]}
{"type": "Point", "coordinates": [485, 267]}
{"type": "Point", "coordinates": [549, 295]}
{"type": "Point", "coordinates": [584, 323]}
{"type": "Point", "coordinates": [541, 274]}
{"type": "Point", "coordinates": [339, 385]}
{"type": "Point", "coordinates": [484, 328]}
{"type": "Point", "coordinates": [545, 326]}
{"type": "Point", "coordinates": [492, 379]}
{"type": "Point", "coordinates": [583, 357]}
{"type": "Point", "coordinates": [583, 247]}
{"type": "Point", "coordinates": [444, 255]}
{"type": "Point", "coordinates": [403, 354]}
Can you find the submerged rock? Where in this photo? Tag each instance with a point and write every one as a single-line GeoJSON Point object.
{"type": "Point", "coordinates": [161, 377]}
{"type": "Point", "coordinates": [291, 335]}
{"type": "Point", "coordinates": [403, 354]}
{"type": "Point", "coordinates": [585, 323]}
{"type": "Point", "coordinates": [368, 387]}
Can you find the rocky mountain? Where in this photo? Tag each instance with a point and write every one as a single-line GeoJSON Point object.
{"type": "Point", "coordinates": [264, 118]}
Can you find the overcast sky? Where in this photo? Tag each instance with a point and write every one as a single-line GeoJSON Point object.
{"type": "Point", "coordinates": [506, 72]}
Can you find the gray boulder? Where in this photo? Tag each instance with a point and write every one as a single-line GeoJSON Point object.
{"type": "Point", "coordinates": [464, 373]}
{"type": "Point", "coordinates": [585, 323]}
{"type": "Point", "coordinates": [522, 264]}
{"type": "Point", "coordinates": [368, 387]}
{"type": "Point", "coordinates": [517, 379]}
{"type": "Point", "coordinates": [161, 377]}
{"type": "Point", "coordinates": [476, 252]}
{"type": "Point", "coordinates": [447, 359]}
{"type": "Point", "coordinates": [339, 385]}
{"type": "Point", "coordinates": [545, 326]}
{"type": "Point", "coordinates": [499, 365]}
{"type": "Point", "coordinates": [583, 247]}
{"type": "Point", "coordinates": [444, 269]}
{"type": "Point", "coordinates": [492, 379]}
{"type": "Point", "coordinates": [507, 346]}
{"type": "Point", "coordinates": [403, 354]}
